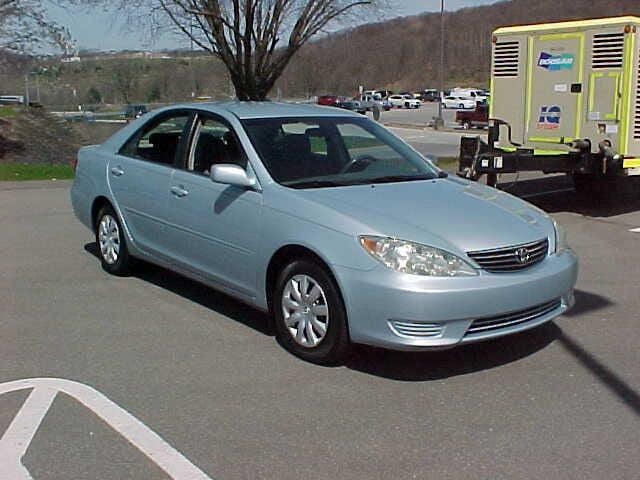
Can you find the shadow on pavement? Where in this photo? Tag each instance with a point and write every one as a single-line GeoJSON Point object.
{"type": "Point", "coordinates": [198, 293]}
{"type": "Point", "coordinates": [555, 194]}
{"type": "Point", "coordinates": [604, 374]}
{"type": "Point", "coordinates": [587, 302]}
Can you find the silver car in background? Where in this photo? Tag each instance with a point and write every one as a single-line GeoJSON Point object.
{"type": "Point", "coordinates": [326, 220]}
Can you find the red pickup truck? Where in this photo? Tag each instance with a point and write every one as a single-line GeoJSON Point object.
{"type": "Point", "coordinates": [478, 118]}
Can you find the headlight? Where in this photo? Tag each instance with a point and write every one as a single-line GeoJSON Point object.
{"type": "Point", "coordinates": [561, 238]}
{"type": "Point", "coordinates": [416, 259]}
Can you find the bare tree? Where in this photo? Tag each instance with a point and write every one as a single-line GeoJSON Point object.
{"type": "Point", "coordinates": [255, 39]}
{"type": "Point", "coordinates": [24, 25]}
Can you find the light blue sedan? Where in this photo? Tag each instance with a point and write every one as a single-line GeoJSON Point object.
{"type": "Point", "coordinates": [326, 220]}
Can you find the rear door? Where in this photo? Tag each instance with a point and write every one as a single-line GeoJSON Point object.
{"type": "Point", "coordinates": [140, 176]}
{"type": "Point", "coordinates": [555, 87]}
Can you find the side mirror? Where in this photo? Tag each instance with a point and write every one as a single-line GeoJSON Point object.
{"type": "Point", "coordinates": [230, 174]}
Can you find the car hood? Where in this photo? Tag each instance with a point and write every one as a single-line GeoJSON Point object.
{"type": "Point", "coordinates": [447, 213]}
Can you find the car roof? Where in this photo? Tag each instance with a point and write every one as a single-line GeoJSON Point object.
{"type": "Point", "coordinates": [247, 110]}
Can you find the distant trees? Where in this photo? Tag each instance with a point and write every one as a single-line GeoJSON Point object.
{"type": "Point", "coordinates": [403, 53]}
{"type": "Point", "coordinates": [94, 96]}
{"type": "Point", "coordinates": [154, 94]}
{"type": "Point", "coordinates": [125, 78]}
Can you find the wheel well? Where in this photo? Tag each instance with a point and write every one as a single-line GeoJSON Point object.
{"type": "Point", "coordinates": [98, 203]}
{"type": "Point", "coordinates": [283, 257]}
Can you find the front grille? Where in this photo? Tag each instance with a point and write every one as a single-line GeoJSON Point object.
{"type": "Point", "coordinates": [514, 318]}
{"type": "Point", "coordinates": [511, 259]}
{"type": "Point", "coordinates": [415, 329]}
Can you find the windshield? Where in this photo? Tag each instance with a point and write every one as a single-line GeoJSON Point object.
{"type": "Point", "coordinates": [328, 152]}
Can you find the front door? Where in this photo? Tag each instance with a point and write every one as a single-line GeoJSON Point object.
{"type": "Point", "coordinates": [555, 88]}
{"type": "Point", "coordinates": [215, 228]}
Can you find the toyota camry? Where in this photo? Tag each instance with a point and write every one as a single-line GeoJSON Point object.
{"type": "Point", "coordinates": [326, 220]}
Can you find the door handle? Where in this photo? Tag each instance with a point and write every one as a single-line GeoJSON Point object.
{"type": "Point", "coordinates": [117, 171]}
{"type": "Point", "coordinates": [179, 191]}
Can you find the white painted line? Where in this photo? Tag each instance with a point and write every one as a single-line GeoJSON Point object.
{"type": "Point", "coordinates": [16, 439]}
{"type": "Point", "coordinates": [635, 230]}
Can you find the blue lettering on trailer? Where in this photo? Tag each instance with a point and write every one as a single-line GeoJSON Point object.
{"type": "Point", "coordinates": [551, 62]}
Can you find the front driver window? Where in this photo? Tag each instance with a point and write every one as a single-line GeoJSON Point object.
{"type": "Point", "coordinates": [215, 143]}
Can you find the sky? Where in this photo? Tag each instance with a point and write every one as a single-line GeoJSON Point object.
{"type": "Point", "coordinates": [96, 29]}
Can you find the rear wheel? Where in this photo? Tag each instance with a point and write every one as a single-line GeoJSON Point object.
{"type": "Point", "coordinates": [112, 246]}
{"type": "Point", "coordinates": [310, 318]}
{"type": "Point", "coordinates": [461, 106]}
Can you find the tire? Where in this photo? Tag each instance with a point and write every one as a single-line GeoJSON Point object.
{"type": "Point", "coordinates": [466, 125]}
{"type": "Point", "coordinates": [111, 243]}
{"type": "Point", "coordinates": [461, 106]}
{"type": "Point", "coordinates": [288, 303]}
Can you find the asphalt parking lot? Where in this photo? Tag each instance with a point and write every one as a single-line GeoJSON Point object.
{"type": "Point", "coordinates": [204, 373]}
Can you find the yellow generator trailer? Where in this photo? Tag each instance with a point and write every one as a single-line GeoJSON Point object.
{"type": "Point", "coordinates": [565, 97]}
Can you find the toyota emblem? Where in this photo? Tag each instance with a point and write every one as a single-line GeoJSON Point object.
{"type": "Point", "coordinates": [523, 255]}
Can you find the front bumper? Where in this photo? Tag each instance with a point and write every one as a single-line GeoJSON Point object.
{"type": "Point", "coordinates": [408, 312]}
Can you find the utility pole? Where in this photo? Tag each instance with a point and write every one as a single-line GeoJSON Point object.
{"type": "Point", "coordinates": [193, 75]}
{"type": "Point", "coordinates": [439, 122]}
{"type": "Point", "coordinates": [26, 90]}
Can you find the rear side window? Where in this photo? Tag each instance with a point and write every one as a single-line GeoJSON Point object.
{"type": "Point", "coordinates": [158, 142]}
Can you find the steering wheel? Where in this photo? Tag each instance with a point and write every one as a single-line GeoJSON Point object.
{"type": "Point", "coordinates": [365, 160]}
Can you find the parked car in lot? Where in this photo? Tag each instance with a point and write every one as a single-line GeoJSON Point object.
{"type": "Point", "coordinates": [134, 111]}
{"type": "Point", "coordinates": [473, 93]}
{"type": "Point", "coordinates": [429, 95]}
{"type": "Point", "coordinates": [404, 101]}
{"type": "Point", "coordinates": [479, 117]}
{"type": "Point", "coordinates": [458, 102]}
{"type": "Point", "coordinates": [328, 100]}
{"type": "Point", "coordinates": [351, 104]}
{"type": "Point", "coordinates": [328, 221]}
{"type": "Point", "coordinates": [370, 102]}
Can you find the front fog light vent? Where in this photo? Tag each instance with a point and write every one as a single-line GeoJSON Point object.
{"type": "Point", "coordinates": [415, 329]}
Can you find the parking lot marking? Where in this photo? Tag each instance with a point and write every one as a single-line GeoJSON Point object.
{"type": "Point", "coordinates": [635, 230]}
{"type": "Point", "coordinates": [20, 433]}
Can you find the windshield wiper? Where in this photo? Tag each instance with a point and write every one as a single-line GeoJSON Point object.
{"type": "Point", "coordinates": [394, 178]}
{"type": "Point", "coordinates": [313, 184]}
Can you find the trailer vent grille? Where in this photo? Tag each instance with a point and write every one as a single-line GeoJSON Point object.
{"type": "Point", "coordinates": [506, 58]}
{"type": "Point", "coordinates": [608, 50]}
{"type": "Point", "coordinates": [636, 127]}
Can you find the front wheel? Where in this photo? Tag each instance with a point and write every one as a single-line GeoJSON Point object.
{"type": "Point", "coordinates": [112, 246]}
{"type": "Point", "coordinates": [310, 318]}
